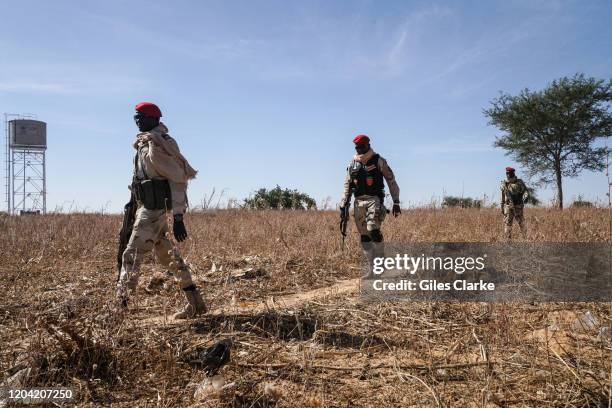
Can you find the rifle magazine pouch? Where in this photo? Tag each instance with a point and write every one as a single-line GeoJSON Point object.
{"type": "Point", "coordinates": [516, 197]}
{"type": "Point", "coordinates": [155, 194]}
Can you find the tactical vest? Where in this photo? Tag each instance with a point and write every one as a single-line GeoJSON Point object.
{"type": "Point", "coordinates": [154, 194]}
{"type": "Point", "coordinates": [514, 192]}
{"type": "Point", "coordinates": [367, 179]}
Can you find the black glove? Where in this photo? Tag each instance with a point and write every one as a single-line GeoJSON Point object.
{"type": "Point", "coordinates": [180, 233]}
{"type": "Point", "coordinates": [341, 213]}
{"type": "Point", "coordinates": [396, 210]}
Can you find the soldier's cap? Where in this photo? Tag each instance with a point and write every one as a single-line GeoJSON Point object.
{"type": "Point", "coordinates": [361, 139]}
{"type": "Point", "coordinates": [149, 109]}
{"type": "Point", "coordinates": [509, 169]}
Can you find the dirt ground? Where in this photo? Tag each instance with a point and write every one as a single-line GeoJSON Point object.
{"type": "Point", "coordinates": [279, 285]}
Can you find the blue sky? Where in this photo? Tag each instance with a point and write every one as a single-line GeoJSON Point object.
{"type": "Point", "coordinates": [260, 93]}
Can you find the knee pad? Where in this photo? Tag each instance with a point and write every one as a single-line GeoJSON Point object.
{"type": "Point", "coordinates": [376, 235]}
{"type": "Point", "coordinates": [366, 238]}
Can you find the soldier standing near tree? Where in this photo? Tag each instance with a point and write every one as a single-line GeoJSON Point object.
{"type": "Point", "coordinates": [514, 194]}
{"type": "Point", "coordinates": [364, 180]}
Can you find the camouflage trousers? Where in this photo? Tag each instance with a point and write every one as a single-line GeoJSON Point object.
{"type": "Point", "coordinates": [369, 213]}
{"type": "Point", "coordinates": [510, 214]}
{"type": "Point", "coordinates": [149, 233]}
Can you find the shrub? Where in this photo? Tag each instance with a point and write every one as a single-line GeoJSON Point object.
{"type": "Point", "coordinates": [463, 202]}
{"type": "Point", "coordinates": [581, 203]}
{"type": "Point", "coordinates": [278, 198]}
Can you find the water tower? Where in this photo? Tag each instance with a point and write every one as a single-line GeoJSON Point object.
{"type": "Point", "coordinates": [26, 182]}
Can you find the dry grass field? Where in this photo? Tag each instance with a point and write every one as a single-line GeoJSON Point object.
{"type": "Point", "coordinates": [302, 335]}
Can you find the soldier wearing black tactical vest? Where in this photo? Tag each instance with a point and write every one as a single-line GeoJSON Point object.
{"type": "Point", "coordinates": [364, 180]}
{"type": "Point", "coordinates": [161, 174]}
{"type": "Point", "coordinates": [514, 194]}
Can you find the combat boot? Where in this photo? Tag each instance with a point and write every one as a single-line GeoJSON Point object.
{"type": "Point", "coordinates": [121, 296]}
{"type": "Point", "coordinates": [378, 250]}
{"type": "Point", "coordinates": [508, 232]}
{"type": "Point", "coordinates": [368, 252]}
{"type": "Point", "coordinates": [120, 304]}
{"type": "Point", "coordinates": [195, 304]}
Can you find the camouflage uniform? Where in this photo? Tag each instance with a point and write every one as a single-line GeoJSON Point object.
{"type": "Point", "coordinates": [513, 195]}
{"type": "Point", "coordinates": [364, 180]}
{"type": "Point", "coordinates": [150, 231]}
{"type": "Point", "coordinates": [369, 212]}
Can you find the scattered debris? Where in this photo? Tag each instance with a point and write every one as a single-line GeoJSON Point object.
{"type": "Point", "coordinates": [216, 356]}
{"type": "Point", "coordinates": [210, 387]}
{"type": "Point", "coordinates": [604, 335]}
{"type": "Point", "coordinates": [156, 283]}
{"type": "Point", "coordinates": [585, 322]}
{"type": "Point", "coordinates": [272, 391]}
{"type": "Point", "coordinates": [17, 380]}
{"type": "Point", "coordinates": [248, 273]}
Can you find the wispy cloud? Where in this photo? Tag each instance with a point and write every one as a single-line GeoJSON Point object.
{"type": "Point", "coordinates": [414, 26]}
{"type": "Point", "coordinates": [399, 47]}
{"type": "Point", "coordinates": [36, 87]}
{"type": "Point", "coordinates": [184, 45]}
{"type": "Point", "coordinates": [488, 48]}
{"type": "Point", "coordinates": [465, 88]}
{"type": "Point", "coordinates": [65, 79]}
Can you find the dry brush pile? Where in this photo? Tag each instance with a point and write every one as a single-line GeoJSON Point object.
{"type": "Point", "coordinates": [58, 272]}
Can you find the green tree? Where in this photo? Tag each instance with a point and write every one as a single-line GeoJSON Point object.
{"type": "Point", "coordinates": [463, 202]}
{"type": "Point", "coordinates": [552, 132]}
{"type": "Point", "coordinates": [278, 198]}
{"type": "Point", "coordinates": [580, 202]}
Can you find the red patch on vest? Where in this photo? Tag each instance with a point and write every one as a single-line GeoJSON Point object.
{"type": "Point", "coordinates": [370, 181]}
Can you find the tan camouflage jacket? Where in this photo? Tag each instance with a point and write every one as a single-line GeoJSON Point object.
{"type": "Point", "coordinates": [148, 166]}
{"type": "Point", "coordinates": [513, 185]}
{"type": "Point", "coordinates": [387, 173]}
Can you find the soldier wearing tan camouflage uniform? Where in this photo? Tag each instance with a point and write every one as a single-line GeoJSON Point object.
{"type": "Point", "coordinates": [514, 193]}
{"type": "Point", "coordinates": [364, 180]}
{"type": "Point", "coordinates": [160, 181]}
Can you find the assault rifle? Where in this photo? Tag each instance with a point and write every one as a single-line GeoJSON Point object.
{"type": "Point", "coordinates": [344, 215]}
{"type": "Point", "coordinates": [129, 217]}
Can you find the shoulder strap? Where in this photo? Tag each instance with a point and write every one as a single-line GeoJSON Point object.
{"type": "Point", "coordinates": [376, 158]}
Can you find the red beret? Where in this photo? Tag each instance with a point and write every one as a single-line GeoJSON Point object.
{"type": "Point", "coordinates": [361, 139]}
{"type": "Point", "coordinates": [509, 169]}
{"type": "Point", "coordinates": [149, 109]}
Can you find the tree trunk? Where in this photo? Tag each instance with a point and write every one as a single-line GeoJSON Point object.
{"type": "Point", "coordinates": [559, 184]}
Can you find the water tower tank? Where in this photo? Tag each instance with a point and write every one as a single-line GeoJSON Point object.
{"type": "Point", "coordinates": [27, 133]}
